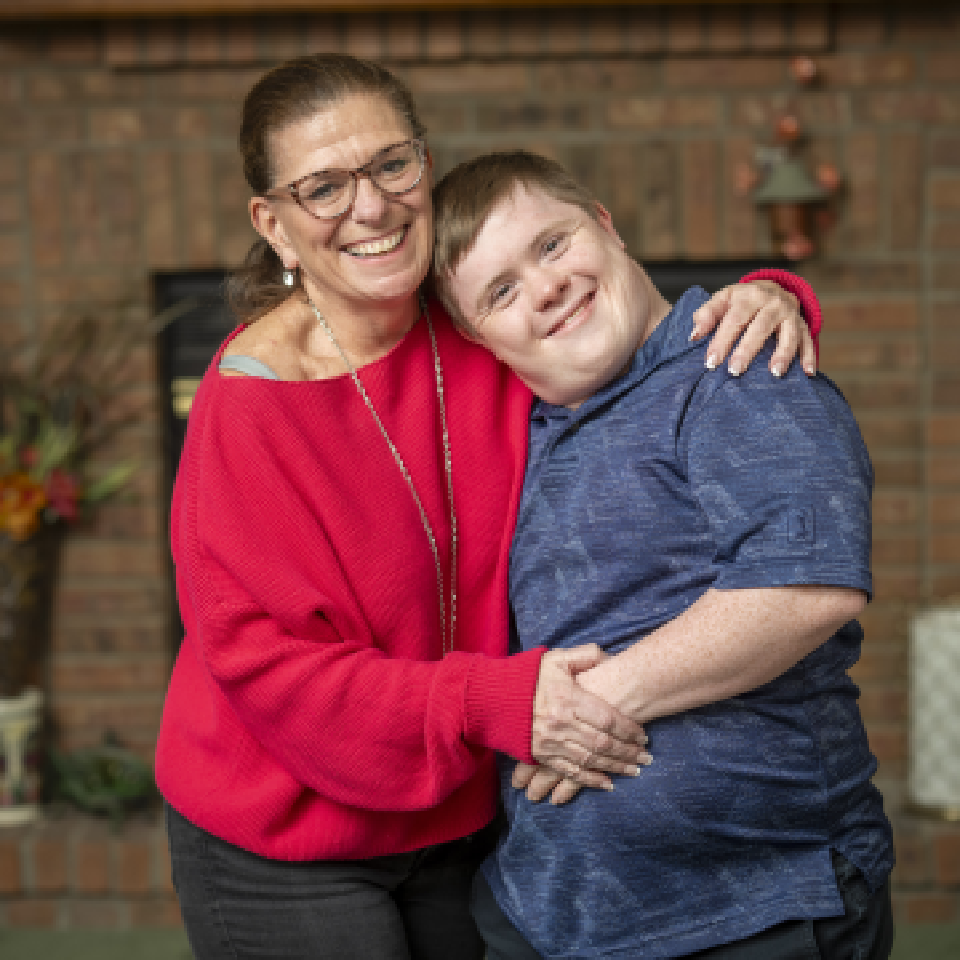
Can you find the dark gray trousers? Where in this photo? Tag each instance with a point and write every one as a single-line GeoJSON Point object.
{"type": "Point", "coordinates": [411, 906]}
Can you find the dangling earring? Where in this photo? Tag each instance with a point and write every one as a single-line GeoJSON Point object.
{"type": "Point", "coordinates": [289, 278]}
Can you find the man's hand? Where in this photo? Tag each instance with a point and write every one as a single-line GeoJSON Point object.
{"type": "Point", "coordinates": [575, 733]}
{"type": "Point", "coordinates": [756, 310]}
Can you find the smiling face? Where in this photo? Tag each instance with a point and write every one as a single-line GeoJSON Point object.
{"type": "Point", "coordinates": [379, 249]}
{"type": "Point", "coordinates": [551, 291]}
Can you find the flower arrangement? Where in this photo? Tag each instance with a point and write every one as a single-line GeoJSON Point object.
{"type": "Point", "coordinates": [58, 411]}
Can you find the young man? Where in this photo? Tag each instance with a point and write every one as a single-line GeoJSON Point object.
{"type": "Point", "coordinates": [712, 533]}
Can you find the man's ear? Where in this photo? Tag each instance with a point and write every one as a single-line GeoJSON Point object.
{"type": "Point", "coordinates": [267, 224]}
{"type": "Point", "coordinates": [606, 222]}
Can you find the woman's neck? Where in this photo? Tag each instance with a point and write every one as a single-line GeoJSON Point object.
{"type": "Point", "coordinates": [365, 332]}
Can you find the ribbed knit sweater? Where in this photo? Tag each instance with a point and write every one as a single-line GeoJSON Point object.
{"type": "Point", "coordinates": [311, 712]}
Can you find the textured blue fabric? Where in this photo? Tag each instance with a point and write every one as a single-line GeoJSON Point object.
{"type": "Point", "coordinates": [669, 481]}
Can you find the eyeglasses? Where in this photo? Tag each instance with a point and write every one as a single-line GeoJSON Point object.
{"type": "Point", "coordinates": [328, 193]}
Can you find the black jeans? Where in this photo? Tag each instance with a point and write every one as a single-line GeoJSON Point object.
{"type": "Point", "coordinates": [411, 906]}
{"type": "Point", "coordinates": [864, 932]}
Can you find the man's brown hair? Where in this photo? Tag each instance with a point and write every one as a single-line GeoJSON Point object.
{"type": "Point", "coordinates": [468, 194]}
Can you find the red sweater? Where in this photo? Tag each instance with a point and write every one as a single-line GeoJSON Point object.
{"type": "Point", "coordinates": [310, 714]}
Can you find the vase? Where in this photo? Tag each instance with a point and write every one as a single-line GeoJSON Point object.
{"type": "Point", "coordinates": [28, 572]}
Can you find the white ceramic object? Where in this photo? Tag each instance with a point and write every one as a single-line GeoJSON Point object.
{"type": "Point", "coordinates": [20, 719]}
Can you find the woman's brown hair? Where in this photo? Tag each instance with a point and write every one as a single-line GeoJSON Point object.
{"type": "Point", "coordinates": [295, 91]}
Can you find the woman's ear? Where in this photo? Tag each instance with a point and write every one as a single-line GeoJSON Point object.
{"type": "Point", "coordinates": [268, 225]}
{"type": "Point", "coordinates": [602, 216]}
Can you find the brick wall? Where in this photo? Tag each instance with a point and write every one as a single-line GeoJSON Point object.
{"type": "Point", "coordinates": [117, 158]}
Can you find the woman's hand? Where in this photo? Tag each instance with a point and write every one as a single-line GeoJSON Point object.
{"type": "Point", "coordinates": [576, 733]}
{"type": "Point", "coordinates": [538, 782]}
{"type": "Point", "coordinates": [757, 310]}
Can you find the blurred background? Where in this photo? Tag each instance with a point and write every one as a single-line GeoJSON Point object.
{"type": "Point", "coordinates": [822, 137]}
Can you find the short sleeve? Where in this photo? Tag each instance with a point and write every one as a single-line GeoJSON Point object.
{"type": "Point", "coordinates": [783, 477]}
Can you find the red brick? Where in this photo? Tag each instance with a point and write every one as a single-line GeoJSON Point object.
{"type": "Point", "coordinates": [91, 864]}
{"type": "Point", "coordinates": [202, 41]}
{"type": "Point", "coordinates": [862, 69]}
{"type": "Point", "coordinates": [162, 872]}
{"type": "Point", "coordinates": [9, 168]}
{"type": "Point", "coordinates": [10, 874]}
{"type": "Point", "coordinates": [239, 40]}
{"type": "Point", "coordinates": [121, 43]}
{"type": "Point", "coordinates": [116, 125]}
{"type": "Point", "coordinates": [49, 851]}
{"type": "Point", "coordinates": [32, 912]}
{"type": "Point", "coordinates": [605, 37]}
{"type": "Point", "coordinates": [739, 212]}
{"type": "Point", "coordinates": [282, 38]}
{"type": "Point", "coordinates": [134, 866]}
{"type": "Point", "coordinates": [322, 35]}
{"type": "Point", "coordinates": [859, 25]}
{"type": "Point", "coordinates": [102, 713]}
{"type": "Point", "coordinates": [486, 33]}
{"type": "Point", "coordinates": [109, 638]}
{"type": "Point", "coordinates": [891, 587]}
{"type": "Point", "coordinates": [870, 315]}
{"type": "Point", "coordinates": [923, 23]}
{"type": "Point", "coordinates": [196, 185]}
{"type": "Point", "coordinates": [120, 201]}
{"type": "Point", "coordinates": [11, 250]}
{"type": "Point", "coordinates": [944, 586]}
{"type": "Point", "coordinates": [9, 208]}
{"type": "Point", "coordinates": [362, 36]}
{"type": "Point", "coordinates": [884, 704]}
{"type": "Point", "coordinates": [163, 912]}
{"type": "Point", "coordinates": [945, 235]}
{"type": "Point", "coordinates": [11, 293]}
{"type": "Point", "coordinates": [592, 76]}
{"type": "Point", "coordinates": [817, 111]}
{"type": "Point", "coordinates": [895, 508]}
{"type": "Point", "coordinates": [160, 236]}
{"type": "Point", "coordinates": [861, 223]}
{"type": "Point", "coordinates": [947, 853]}
{"type": "Point", "coordinates": [469, 78]}
{"type": "Point", "coordinates": [160, 44]}
{"type": "Point", "coordinates": [944, 469]}
{"type": "Point", "coordinates": [901, 468]}
{"type": "Point", "coordinates": [767, 28]}
{"type": "Point", "coordinates": [78, 43]}
{"type": "Point", "coordinates": [930, 908]}
{"type": "Point", "coordinates": [685, 32]}
{"type": "Point", "coordinates": [622, 198]}
{"type": "Point", "coordinates": [701, 162]}
{"type": "Point", "coordinates": [945, 193]}
{"type": "Point", "coordinates": [945, 275]}
{"type": "Point", "coordinates": [888, 743]}
{"type": "Point", "coordinates": [895, 551]}
{"type": "Point", "coordinates": [944, 548]}
{"type": "Point", "coordinates": [86, 676]}
{"type": "Point", "coordinates": [945, 384]}
{"type": "Point", "coordinates": [843, 275]}
{"type": "Point", "coordinates": [444, 36]}
{"type": "Point", "coordinates": [891, 430]}
{"type": "Point", "coordinates": [403, 36]}
{"type": "Point", "coordinates": [721, 72]}
{"type": "Point", "coordinates": [889, 392]}
{"type": "Point", "coordinates": [867, 354]}
{"type": "Point", "coordinates": [913, 861]}
{"type": "Point", "coordinates": [913, 107]}
{"type": "Point", "coordinates": [660, 202]}
{"type": "Point", "coordinates": [906, 167]}
{"type": "Point", "coordinates": [942, 67]}
{"type": "Point", "coordinates": [564, 33]}
{"type": "Point", "coordinates": [96, 914]}
{"type": "Point", "coordinates": [46, 209]}
{"type": "Point", "coordinates": [811, 27]}
{"type": "Point", "coordinates": [645, 30]}
{"type": "Point", "coordinates": [886, 627]}
{"type": "Point", "coordinates": [727, 31]}
{"type": "Point", "coordinates": [524, 34]}
{"type": "Point", "coordinates": [655, 113]}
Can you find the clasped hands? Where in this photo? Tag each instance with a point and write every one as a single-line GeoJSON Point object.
{"type": "Point", "coordinates": [578, 738]}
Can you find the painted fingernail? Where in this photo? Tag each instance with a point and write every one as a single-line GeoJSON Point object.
{"type": "Point", "coordinates": [632, 771]}
{"type": "Point", "coordinates": [646, 760]}
{"type": "Point", "coordinates": [810, 371]}
{"type": "Point", "coordinates": [711, 363]}
{"type": "Point", "coordinates": [693, 334]}
{"type": "Point", "coordinates": [608, 786]}
{"type": "Point", "coordinates": [734, 369]}
{"type": "Point", "coordinates": [776, 370]}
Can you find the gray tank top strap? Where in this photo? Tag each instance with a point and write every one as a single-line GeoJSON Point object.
{"type": "Point", "coordinates": [248, 365]}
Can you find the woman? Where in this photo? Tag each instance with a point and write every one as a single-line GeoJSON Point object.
{"type": "Point", "coordinates": [341, 542]}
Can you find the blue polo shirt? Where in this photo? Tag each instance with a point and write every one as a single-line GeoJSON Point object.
{"type": "Point", "coordinates": [667, 482]}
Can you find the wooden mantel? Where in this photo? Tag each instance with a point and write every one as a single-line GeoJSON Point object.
{"type": "Point", "coordinates": [129, 9]}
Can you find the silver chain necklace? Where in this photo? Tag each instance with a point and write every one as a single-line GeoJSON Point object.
{"type": "Point", "coordinates": [438, 372]}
